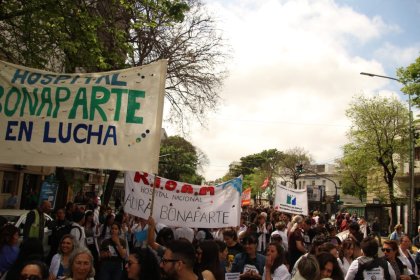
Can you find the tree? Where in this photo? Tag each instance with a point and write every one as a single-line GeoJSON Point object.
{"type": "Point", "coordinates": [293, 164]}
{"type": "Point", "coordinates": [353, 170]}
{"type": "Point", "coordinates": [256, 168]}
{"type": "Point", "coordinates": [267, 160]}
{"type": "Point", "coordinates": [180, 160]}
{"type": "Point", "coordinates": [107, 35]}
{"type": "Point", "coordinates": [380, 126]}
{"type": "Point", "coordinates": [410, 78]}
{"type": "Point", "coordinates": [111, 34]}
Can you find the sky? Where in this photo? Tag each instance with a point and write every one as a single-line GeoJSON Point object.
{"type": "Point", "coordinates": [294, 70]}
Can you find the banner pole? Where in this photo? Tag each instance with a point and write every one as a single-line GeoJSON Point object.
{"type": "Point", "coordinates": [153, 195]}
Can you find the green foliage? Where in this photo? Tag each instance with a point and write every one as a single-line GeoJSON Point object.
{"type": "Point", "coordinates": [264, 160]}
{"type": "Point", "coordinates": [93, 36]}
{"type": "Point", "coordinates": [410, 77]}
{"type": "Point", "coordinates": [180, 160]}
{"type": "Point", "coordinates": [256, 168]}
{"type": "Point", "coordinates": [353, 170]}
{"type": "Point", "coordinates": [380, 133]}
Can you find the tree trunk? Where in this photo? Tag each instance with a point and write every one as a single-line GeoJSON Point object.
{"type": "Point", "coordinates": [113, 174]}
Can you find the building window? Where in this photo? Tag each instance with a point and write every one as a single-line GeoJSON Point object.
{"type": "Point", "coordinates": [10, 181]}
{"type": "Point", "coordinates": [313, 183]}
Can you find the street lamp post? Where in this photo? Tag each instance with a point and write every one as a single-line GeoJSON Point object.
{"type": "Point", "coordinates": [411, 151]}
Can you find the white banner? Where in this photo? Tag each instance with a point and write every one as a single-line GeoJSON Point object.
{"type": "Point", "coordinates": [109, 120]}
{"type": "Point", "coordinates": [182, 204]}
{"type": "Point", "coordinates": [291, 201]}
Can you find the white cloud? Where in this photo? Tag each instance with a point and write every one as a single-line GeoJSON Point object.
{"type": "Point", "coordinates": [290, 81]}
{"type": "Point", "coordinates": [399, 56]}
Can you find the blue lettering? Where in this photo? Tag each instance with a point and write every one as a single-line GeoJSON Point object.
{"type": "Point", "coordinates": [18, 76]}
{"type": "Point", "coordinates": [76, 130]}
{"type": "Point", "coordinates": [47, 138]}
{"type": "Point", "coordinates": [61, 137]}
{"type": "Point", "coordinates": [115, 82]}
{"type": "Point", "coordinates": [9, 131]}
{"type": "Point", "coordinates": [111, 133]}
{"type": "Point", "coordinates": [93, 133]}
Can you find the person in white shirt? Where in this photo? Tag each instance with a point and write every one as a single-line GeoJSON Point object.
{"type": "Point", "coordinates": [281, 230]}
{"type": "Point", "coordinates": [405, 256]}
{"type": "Point", "coordinates": [346, 254]}
{"type": "Point", "coordinates": [274, 268]}
{"type": "Point", "coordinates": [369, 263]}
{"type": "Point", "coordinates": [77, 230]}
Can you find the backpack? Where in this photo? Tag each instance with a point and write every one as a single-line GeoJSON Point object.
{"type": "Point", "coordinates": [370, 266]}
{"type": "Point", "coordinates": [70, 227]}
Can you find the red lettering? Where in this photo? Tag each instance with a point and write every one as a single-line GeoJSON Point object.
{"type": "Point", "coordinates": [170, 185]}
{"type": "Point", "coordinates": [157, 182]}
{"type": "Point", "coordinates": [205, 190]}
{"type": "Point", "coordinates": [187, 189]}
{"type": "Point", "coordinates": [138, 176]}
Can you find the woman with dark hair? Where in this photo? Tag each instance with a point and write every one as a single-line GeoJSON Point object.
{"type": "Point", "coordinates": [329, 248]}
{"type": "Point", "coordinates": [113, 253]}
{"type": "Point", "coordinates": [34, 270]}
{"type": "Point", "coordinates": [391, 252]}
{"type": "Point", "coordinates": [345, 255]}
{"type": "Point", "coordinates": [31, 249]}
{"type": "Point", "coordinates": [249, 264]}
{"type": "Point", "coordinates": [329, 267]}
{"type": "Point", "coordinates": [91, 242]}
{"type": "Point", "coordinates": [142, 264]}
{"type": "Point", "coordinates": [9, 249]}
{"type": "Point", "coordinates": [208, 260]}
{"type": "Point", "coordinates": [223, 253]}
{"type": "Point", "coordinates": [105, 229]}
{"type": "Point", "coordinates": [275, 268]}
{"type": "Point", "coordinates": [230, 237]}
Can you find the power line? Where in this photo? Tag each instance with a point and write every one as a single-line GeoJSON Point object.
{"type": "Point", "coordinates": [280, 122]}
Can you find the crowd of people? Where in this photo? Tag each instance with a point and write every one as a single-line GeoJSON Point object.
{"type": "Point", "coordinates": [93, 242]}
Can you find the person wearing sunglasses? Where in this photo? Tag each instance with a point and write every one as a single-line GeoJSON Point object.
{"type": "Point", "coordinates": [369, 265]}
{"type": "Point", "coordinates": [34, 270]}
{"type": "Point", "coordinates": [178, 261]}
{"type": "Point", "coordinates": [390, 250]}
{"type": "Point", "coordinates": [142, 264]}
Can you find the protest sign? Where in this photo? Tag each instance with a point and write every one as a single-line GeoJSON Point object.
{"type": "Point", "coordinates": [246, 197]}
{"type": "Point", "coordinates": [109, 120]}
{"type": "Point", "coordinates": [183, 204]}
{"type": "Point", "coordinates": [291, 201]}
